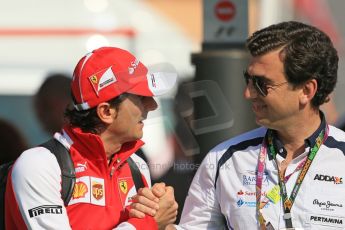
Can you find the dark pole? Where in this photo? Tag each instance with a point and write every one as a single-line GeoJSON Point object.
{"type": "Point", "coordinates": [220, 111]}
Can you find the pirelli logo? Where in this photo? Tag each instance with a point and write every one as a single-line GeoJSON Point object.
{"type": "Point", "coordinates": [45, 209]}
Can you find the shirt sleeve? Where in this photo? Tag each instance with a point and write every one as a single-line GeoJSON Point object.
{"type": "Point", "coordinates": [201, 209]}
{"type": "Point", "coordinates": [36, 186]}
{"type": "Point", "coordinates": [138, 224]}
{"type": "Point", "coordinates": [148, 222]}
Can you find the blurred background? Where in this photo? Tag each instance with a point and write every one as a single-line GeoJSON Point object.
{"type": "Point", "coordinates": [202, 39]}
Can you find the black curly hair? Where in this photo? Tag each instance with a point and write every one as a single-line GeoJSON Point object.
{"type": "Point", "coordinates": [88, 120]}
{"type": "Point", "coordinates": [308, 53]}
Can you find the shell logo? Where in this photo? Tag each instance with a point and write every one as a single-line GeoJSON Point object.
{"type": "Point", "coordinates": [79, 191]}
{"type": "Point", "coordinates": [97, 191]}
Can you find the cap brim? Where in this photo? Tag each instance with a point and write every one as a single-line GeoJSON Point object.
{"type": "Point", "coordinates": [160, 79]}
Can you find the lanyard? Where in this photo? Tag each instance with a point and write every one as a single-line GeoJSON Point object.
{"type": "Point", "coordinates": [259, 179]}
{"type": "Point", "coordinates": [287, 201]}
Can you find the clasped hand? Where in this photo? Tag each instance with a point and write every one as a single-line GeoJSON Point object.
{"type": "Point", "coordinates": [158, 202]}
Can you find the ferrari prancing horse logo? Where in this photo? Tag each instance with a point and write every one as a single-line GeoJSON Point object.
{"type": "Point", "coordinates": [94, 79]}
{"type": "Point", "coordinates": [123, 186]}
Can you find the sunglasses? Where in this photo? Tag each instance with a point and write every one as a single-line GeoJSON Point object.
{"type": "Point", "coordinates": [261, 84]}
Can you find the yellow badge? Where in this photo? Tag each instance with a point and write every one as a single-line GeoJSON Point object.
{"type": "Point", "coordinates": [274, 194]}
{"type": "Point", "coordinates": [123, 186]}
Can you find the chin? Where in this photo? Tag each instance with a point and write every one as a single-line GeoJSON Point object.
{"type": "Point", "coordinates": [134, 136]}
{"type": "Point", "coordinates": [262, 122]}
{"type": "Point", "coordinates": [258, 120]}
{"type": "Point", "coordinates": [139, 135]}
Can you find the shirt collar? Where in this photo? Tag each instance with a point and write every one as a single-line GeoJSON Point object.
{"type": "Point", "coordinates": [91, 146]}
{"type": "Point", "coordinates": [310, 141]}
{"type": "Point", "coordinates": [278, 146]}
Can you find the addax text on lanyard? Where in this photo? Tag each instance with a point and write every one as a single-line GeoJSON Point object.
{"type": "Point", "coordinates": [287, 201]}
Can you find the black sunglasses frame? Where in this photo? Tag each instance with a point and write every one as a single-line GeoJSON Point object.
{"type": "Point", "coordinates": [260, 84]}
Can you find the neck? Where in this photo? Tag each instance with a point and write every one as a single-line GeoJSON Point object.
{"type": "Point", "coordinates": [111, 146]}
{"type": "Point", "coordinates": [293, 135]}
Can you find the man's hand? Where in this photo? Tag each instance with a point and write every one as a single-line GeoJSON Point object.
{"type": "Point", "coordinates": [159, 202]}
{"type": "Point", "coordinates": [147, 201]}
{"type": "Point", "coordinates": [167, 211]}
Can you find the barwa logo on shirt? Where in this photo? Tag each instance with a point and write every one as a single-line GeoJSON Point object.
{"type": "Point", "coordinates": [250, 178]}
{"type": "Point", "coordinates": [334, 179]}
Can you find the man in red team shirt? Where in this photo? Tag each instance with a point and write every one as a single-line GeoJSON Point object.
{"type": "Point", "coordinates": [112, 93]}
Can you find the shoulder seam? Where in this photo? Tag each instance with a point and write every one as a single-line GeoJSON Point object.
{"type": "Point", "coordinates": [234, 148]}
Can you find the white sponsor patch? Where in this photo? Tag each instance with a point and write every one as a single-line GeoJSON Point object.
{"type": "Point", "coordinates": [107, 78]}
{"type": "Point", "coordinates": [88, 190]}
{"type": "Point", "coordinates": [81, 191]}
{"type": "Point", "coordinates": [98, 191]}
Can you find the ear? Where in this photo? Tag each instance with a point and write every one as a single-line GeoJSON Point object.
{"type": "Point", "coordinates": [308, 91]}
{"type": "Point", "coordinates": [106, 113]}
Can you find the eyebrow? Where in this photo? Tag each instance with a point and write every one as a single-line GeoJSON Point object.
{"type": "Point", "coordinates": [258, 76]}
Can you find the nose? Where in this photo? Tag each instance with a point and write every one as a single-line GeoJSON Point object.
{"type": "Point", "coordinates": [249, 91]}
{"type": "Point", "coordinates": [150, 104]}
